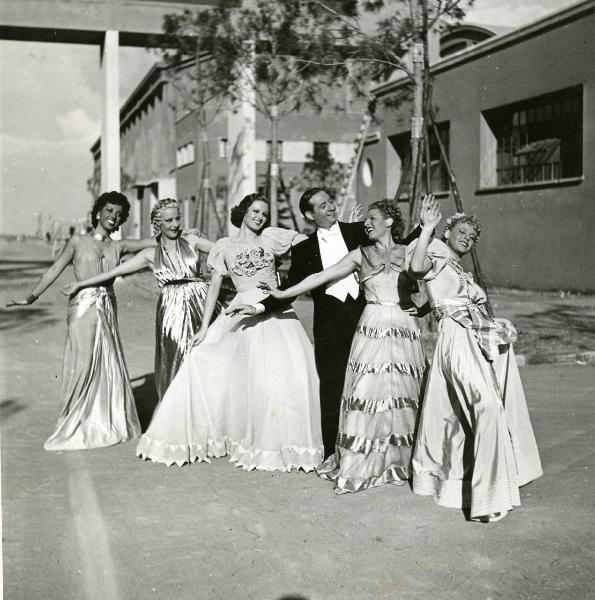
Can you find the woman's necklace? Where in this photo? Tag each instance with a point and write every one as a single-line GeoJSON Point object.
{"type": "Point", "coordinates": [100, 237]}
{"type": "Point", "coordinates": [165, 246]}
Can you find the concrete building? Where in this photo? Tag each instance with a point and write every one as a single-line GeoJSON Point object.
{"type": "Point", "coordinates": [516, 112]}
{"type": "Point", "coordinates": [162, 154]}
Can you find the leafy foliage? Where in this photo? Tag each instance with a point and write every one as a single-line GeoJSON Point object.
{"type": "Point", "coordinates": [322, 170]}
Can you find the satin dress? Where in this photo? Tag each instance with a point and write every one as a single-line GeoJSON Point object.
{"type": "Point", "coordinates": [98, 406]}
{"type": "Point", "coordinates": [180, 307]}
{"type": "Point", "coordinates": [382, 384]}
{"type": "Point", "coordinates": [475, 444]}
{"type": "Point", "coordinates": [250, 389]}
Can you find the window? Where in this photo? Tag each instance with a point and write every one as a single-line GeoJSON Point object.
{"type": "Point", "coordinates": [279, 151]}
{"type": "Point", "coordinates": [223, 148]}
{"type": "Point", "coordinates": [185, 155]}
{"type": "Point", "coordinates": [535, 141]}
{"type": "Point", "coordinates": [367, 173]}
{"type": "Point", "coordinates": [438, 170]}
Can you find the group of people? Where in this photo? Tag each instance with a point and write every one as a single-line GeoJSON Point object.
{"type": "Point", "coordinates": [362, 408]}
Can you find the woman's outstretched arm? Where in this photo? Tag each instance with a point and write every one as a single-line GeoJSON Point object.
{"type": "Point", "coordinates": [210, 304]}
{"type": "Point", "coordinates": [347, 265]}
{"type": "Point", "coordinates": [51, 274]}
{"type": "Point", "coordinates": [199, 243]}
{"type": "Point", "coordinates": [131, 246]}
{"type": "Point", "coordinates": [137, 263]}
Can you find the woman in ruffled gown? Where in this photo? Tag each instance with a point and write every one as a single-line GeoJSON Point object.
{"type": "Point", "coordinates": [97, 402]}
{"type": "Point", "coordinates": [475, 445]}
{"type": "Point", "coordinates": [386, 362]}
{"type": "Point", "coordinates": [175, 262]}
{"type": "Point", "coordinates": [248, 389]}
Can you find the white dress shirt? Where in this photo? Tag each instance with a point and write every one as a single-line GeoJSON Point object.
{"type": "Point", "coordinates": [332, 250]}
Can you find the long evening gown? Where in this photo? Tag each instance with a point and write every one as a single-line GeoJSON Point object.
{"type": "Point", "coordinates": [180, 307]}
{"type": "Point", "coordinates": [382, 384]}
{"type": "Point", "coordinates": [97, 401]}
{"type": "Point", "coordinates": [475, 445]}
{"type": "Point", "coordinates": [250, 389]}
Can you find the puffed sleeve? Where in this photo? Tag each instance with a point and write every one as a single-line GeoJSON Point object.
{"type": "Point", "coordinates": [216, 258]}
{"type": "Point", "coordinates": [281, 240]}
{"type": "Point", "coordinates": [437, 252]}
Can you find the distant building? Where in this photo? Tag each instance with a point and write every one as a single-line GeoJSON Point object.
{"type": "Point", "coordinates": [161, 154]}
{"type": "Point", "coordinates": [516, 112]}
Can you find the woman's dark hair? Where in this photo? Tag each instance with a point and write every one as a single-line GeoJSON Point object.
{"type": "Point", "coordinates": [110, 198]}
{"type": "Point", "coordinates": [239, 212]}
{"type": "Point", "coordinates": [389, 210]}
{"type": "Point", "coordinates": [307, 196]}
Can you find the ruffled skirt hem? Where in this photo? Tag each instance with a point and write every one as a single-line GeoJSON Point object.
{"type": "Point", "coordinates": [332, 471]}
{"type": "Point", "coordinates": [287, 458]}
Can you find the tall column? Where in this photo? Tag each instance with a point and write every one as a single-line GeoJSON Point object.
{"type": "Point", "coordinates": [110, 113]}
{"type": "Point", "coordinates": [241, 133]}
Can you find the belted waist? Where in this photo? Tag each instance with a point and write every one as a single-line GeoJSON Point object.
{"type": "Point", "coordinates": [382, 302]}
{"type": "Point", "coordinates": [182, 281]}
{"type": "Point", "coordinates": [447, 308]}
{"type": "Point", "coordinates": [490, 334]}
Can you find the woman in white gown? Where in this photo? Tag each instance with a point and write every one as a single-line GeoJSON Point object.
{"type": "Point", "coordinates": [249, 387]}
{"type": "Point", "coordinates": [475, 445]}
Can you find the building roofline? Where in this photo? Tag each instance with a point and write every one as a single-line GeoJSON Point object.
{"type": "Point", "coordinates": [152, 80]}
{"type": "Point", "coordinates": [499, 42]}
{"type": "Point", "coordinates": [482, 27]}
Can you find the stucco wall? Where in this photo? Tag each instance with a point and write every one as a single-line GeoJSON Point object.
{"type": "Point", "coordinates": [534, 237]}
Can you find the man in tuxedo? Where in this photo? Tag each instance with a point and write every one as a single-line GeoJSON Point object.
{"type": "Point", "coordinates": [337, 306]}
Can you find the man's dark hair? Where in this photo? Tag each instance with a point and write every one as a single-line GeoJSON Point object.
{"type": "Point", "coordinates": [307, 196]}
{"type": "Point", "coordinates": [110, 198]}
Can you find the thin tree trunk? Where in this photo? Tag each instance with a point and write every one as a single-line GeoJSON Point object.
{"type": "Point", "coordinates": [427, 96]}
{"type": "Point", "coordinates": [416, 128]}
{"type": "Point", "coordinates": [274, 169]}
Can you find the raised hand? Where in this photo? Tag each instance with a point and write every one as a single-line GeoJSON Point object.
{"type": "Point", "coordinates": [70, 288]}
{"type": "Point", "coordinates": [357, 213]}
{"type": "Point", "coordinates": [241, 309]}
{"type": "Point", "coordinates": [430, 214]}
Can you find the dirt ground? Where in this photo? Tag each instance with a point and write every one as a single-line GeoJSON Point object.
{"type": "Point", "coordinates": [101, 524]}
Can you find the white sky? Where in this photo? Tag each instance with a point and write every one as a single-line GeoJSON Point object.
{"type": "Point", "coordinates": [49, 115]}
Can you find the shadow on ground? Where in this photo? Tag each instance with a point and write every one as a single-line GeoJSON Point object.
{"type": "Point", "coordinates": [22, 270]}
{"type": "Point", "coordinates": [26, 317]}
{"type": "Point", "coordinates": [145, 397]}
{"type": "Point", "coordinates": [9, 408]}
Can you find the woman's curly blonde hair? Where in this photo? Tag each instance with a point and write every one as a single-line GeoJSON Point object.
{"type": "Point", "coordinates": [156, 210]}
{"type": "Point", "coordinates": [390, 211]}
{"type": "Point", "coordinates": [462, 218]}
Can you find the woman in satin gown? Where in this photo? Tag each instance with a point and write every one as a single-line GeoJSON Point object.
{"type": "Point", "coordinates": [176, 266]}
{"type": "Point", "coordinates": [475, 445]}
{"type": "Point", "coordinates": [97, 402]}
{"type": "Point", "coordinates": [248, 389]}
{"type": "Point", "coordinates": [386, 362]}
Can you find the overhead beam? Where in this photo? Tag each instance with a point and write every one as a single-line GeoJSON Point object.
{"type": "Point", "coordinates": [85, 21]}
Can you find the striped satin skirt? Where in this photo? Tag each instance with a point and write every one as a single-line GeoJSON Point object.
{"type": "Point", "coordinates": [379, 402]}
